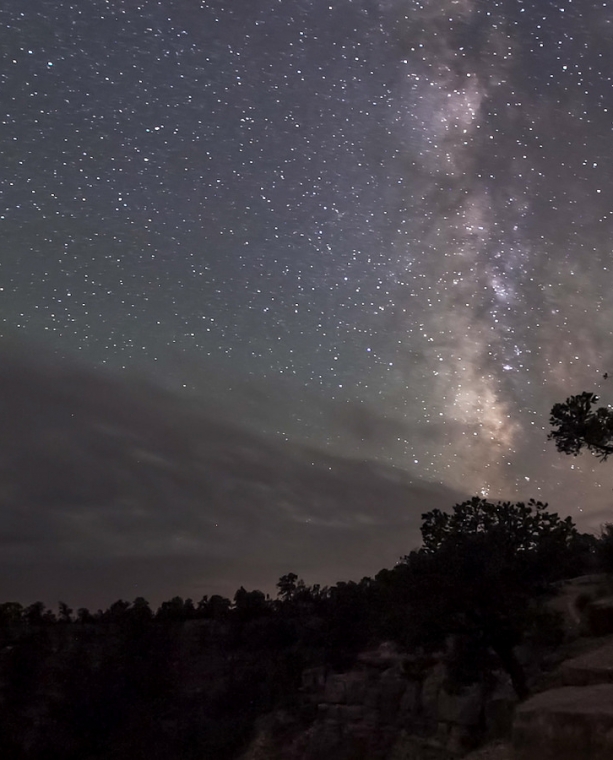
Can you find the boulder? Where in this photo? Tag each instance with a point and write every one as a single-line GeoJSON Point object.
{"type": "Point", "coordinates": [431, 687]}
{"type": "Point", "coordinates": [313, 679]}
{"type": "Point", "coordinates": [599, 615]}
{"type": "Point", "coordinates": [322, 740]}
{"type": "Point", "coordinates": [569, 723]}
{"type": "Point", "coordinates": [371, 697]}
{"type": "Point", "coordinates": [386, 655]}
{"type": "Point", "coordinates": [410, 701]}
{"type": "Point", "coordinates": [463, 708]}
{"type": "Point", "coordinates": [591, 668]}
{"type": "Point", "coordinates": [346, 688]}
{"type": "Point", "coordinates": [335, 691]}
{"type": "Point", "coordinates": [356, 684]}
{"type": "Point", "coordinates": [499, 708]}
{"type": "Point", "coordinates": [459, 740]}
{"type": "Point", "coordinates": [350, 713]}
{"type": "Point", "coordinates": [392, 686]}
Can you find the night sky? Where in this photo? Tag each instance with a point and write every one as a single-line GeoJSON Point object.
{"type": "Point", "coordinates": [373, 235]}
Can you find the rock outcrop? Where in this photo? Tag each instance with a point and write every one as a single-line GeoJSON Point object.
{"type": "Point", "coordinates": [595, 667]}
{"type": "Point", "coordinates": [573, 716]}
{"type": "Point", "coordinates": [392, 706]}
{"type": "Point", "coordinates": [395, 706]}
{"type": "Point", "coordinates": [570, 723]}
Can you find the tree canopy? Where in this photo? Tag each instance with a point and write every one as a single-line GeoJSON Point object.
{"type": "Point", "coordinates": [481, 573]}
{"type": "Point", "coordinates": [518, 527]}
{"type": "Point", "coordinates": [578, 424]}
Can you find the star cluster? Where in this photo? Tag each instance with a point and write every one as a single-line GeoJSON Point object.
{"type": "Point", "coordinates": [400, 209]}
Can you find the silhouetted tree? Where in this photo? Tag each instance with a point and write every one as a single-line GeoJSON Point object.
{"type": "Point", "coordinates": [64, 613]}
{"type": "Point", "coordinates": [10, 613]}
{"type": "Point", "coordinates": [174, 609]}
{"type": "Point", "coordinates": [84, 616]}
{"type": "Point", "coordinates": [201, 607]}
{"type": "Point", "coordinates": [538, 539]}
{"type": "Point", "coordinates": [217, 607]}
{"type": "Point", "coordinates": [33, 614]}
{"type": "Point", "coordinates": [604, 548]}
{"type": "Point", "coordinates": [141, 610]}
{"type": "Point", "coordinates": [189, 609]}
{"type": "Point", "coordinates": [287, 586]}
{"type": "Point", "coordinates": [249, 604]}
{"type": "Point", "coordinates": [577, 424]}
{"type": "Point", "coordinates": [49, 617]}
{"type": "Point", "coordinates": [118, 611]}
{"type": "Point", "coordinates": [481, 570]}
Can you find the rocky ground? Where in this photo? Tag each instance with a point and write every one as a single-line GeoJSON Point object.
{"type": "Point", "coordinates": [495, 751]}
{"type": "Point", "coordinates": [374, 710]}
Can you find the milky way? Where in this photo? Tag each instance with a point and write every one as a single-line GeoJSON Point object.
{"type": "Point", "coordinates": [396, 215]}
{"type": "Point", "coordinates": [511, 108]}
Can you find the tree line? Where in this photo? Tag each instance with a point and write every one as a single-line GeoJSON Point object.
{"type": "Point", "coordinates": [190, 678]}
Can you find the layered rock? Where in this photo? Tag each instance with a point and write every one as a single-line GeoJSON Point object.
{"type": "Point", "coordinates": [569, 723]}
{"type": "Point", "coordinates": [573, 716]}
{"type": "Point", "coordinates": [392, 705]}
{"type": "Point", "coordinates": [595, 667]}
